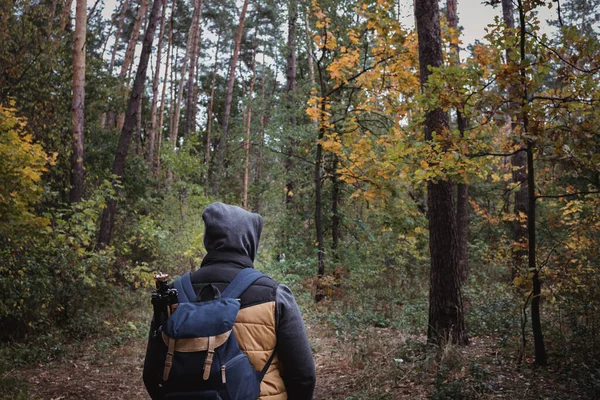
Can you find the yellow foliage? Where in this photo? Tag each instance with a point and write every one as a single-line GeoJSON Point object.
{"type": "Point", "coordinates": [22, 163]}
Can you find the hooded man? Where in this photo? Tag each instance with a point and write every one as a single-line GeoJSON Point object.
{"type": "Point", "coordinates": [269, 319]}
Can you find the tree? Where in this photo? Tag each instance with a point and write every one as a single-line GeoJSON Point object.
{"type": "Point", "coordinates": [518, 162]}
{"type": "Point", "coordinates": [107, 221]}
{"type": "Point", "coordinates": [154, 127]}
{"type": "Point", "coordinates": [78, 101]}
{"type": "Point", "coordinates": [462, 189]}
{"type": "Point", "coordinates": [446, 318]}
{"type": "Point", "coordinates": [228, 100]}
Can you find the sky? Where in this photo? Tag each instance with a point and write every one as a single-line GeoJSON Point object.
{"type": "Point", "coordinates": [473, 16]}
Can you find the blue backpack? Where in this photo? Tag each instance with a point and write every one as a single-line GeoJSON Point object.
{"type": "Point", "coordinates": [203, 359]}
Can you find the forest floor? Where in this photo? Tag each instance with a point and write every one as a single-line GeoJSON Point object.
{"type": "Point", "coordinates": [378, 363]}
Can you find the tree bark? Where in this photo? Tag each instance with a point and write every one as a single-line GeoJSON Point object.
{"type": "Point", "coordinates": [108, 215]}
{"type": "Point", "coordinates": [518, 163]}
{"type": "Point", "coordinates": [446, 318]}
{"type": "Point", "coordinates": [247, 138]}
{"type": "Point", "coordinates": [155, 82]}
{"type": "Point", "coordinates": [210, 116]}
{"type": "Point", "coordinates": [118, 35]}
{"type": "Point", "coordinates": [190, 118]}
{"type": "Point", "coordinates": [164, 90]}
{"type": "Point", "coordinates": [259, 156]}
{"type": "Point", "coordinates": [462, 189]}
{"type": "Point", "coordinates": [174, 134]}
{"type": "Point", "coordinates": [77, 108]}
{"type": "Point", "coordinates": [335, 202]}
{"type": "Point", "coordinates": [130, 53]}
{"type": "Point", "coordinates": [536, 324]}
{"type": "Point", "coordinates": [319, 206]}
{"type": "Point", "coordinates": [290, 89]}
{"type": "Point", "coordinates": [228, 99]}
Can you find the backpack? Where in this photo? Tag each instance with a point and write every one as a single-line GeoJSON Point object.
{"type": "Point", "coordinates": [203, 359]}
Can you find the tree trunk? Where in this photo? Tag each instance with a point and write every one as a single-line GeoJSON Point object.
{"type": "Point", "coordinates": [108, 215]}
{"type": "Point", "coordinates": [446, 318]}
{"type": "Point", "coordinates": [77, 108]}
{"type": "Point", "coordinates": [462, 189]}
{"type": "Point", "coordinates": [118, 35]}
{"type": "Point", "coordinates": [164, 90]}
{"type": "Point", "coordinates": [130, 53]}
{"type": "Point", "coordinates": [319, 205]}
{"type": "Point", "coordinates": [335, 202]}
{"type": "Point", "coordinates": [228, 100]}
{"type": "Point", "coordinates": [261, 143]}
{"type": "Point", "coordinates": [210, 116]}
{"type": "Point", "coordinates": [190, 118]}
{"type": "Point", "coordinates": [518, 162]}
{"type": "Point", "coordinates": [155, 82]}
{"type": "Point", "coordinates": [65, 17]}
{"type": "Point", "coordinates": [174, 134]}
{"type": "Point", "coordinates": [290, 89]}
{"type": "Point", "coordinates": [536, 324]}
{"type": "Point", "coordinates": [247, 139]}
{"type": "Point", "coordinates": [133, 39]}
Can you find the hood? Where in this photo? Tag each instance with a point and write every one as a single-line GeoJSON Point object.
{"type": "Point", "coordinates": [231, 229]}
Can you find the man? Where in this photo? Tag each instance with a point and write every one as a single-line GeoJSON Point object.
{"type": "Point", "coordinates": [269, 319]}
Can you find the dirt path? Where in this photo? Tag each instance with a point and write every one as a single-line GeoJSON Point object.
{"type": "Point", "coordinates": [116, 373]}
{"type": "Point", "coordinates": [365, 368]}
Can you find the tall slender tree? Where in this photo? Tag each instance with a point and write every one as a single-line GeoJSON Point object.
{"type": "Point", "coordinates": [154, 128]}
{"type": "Point", "coordinates": [462, 189]}
{"type": "Point", "coordinates": [228, 100]}
{"type": "Point", "coordinates": [190, 118]}
{"type": "Point", "coordinates": [77, 108]}
{"type": "Point", "coordinates": [446, 318]}
{"type": "Point", "coordinates": [107, 220]}
{"type": "Point", "coordinates": [290, 92]}
{"type": "Point", "coordinates": [518, 162]}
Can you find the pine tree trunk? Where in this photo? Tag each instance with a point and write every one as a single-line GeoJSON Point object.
{"type": "Point", "coordinates": [290, 90]}
{"type": "Point", "coordinates": [155, 82]}
{"type": "Point", "coordinates": [127, 66]}
{"type": "Point", "coordinates": [77, 108]}
{"type": "Point", "coordinates": [247, 138]}
{"type": "Point", "coordinates": [446, 319]}
{"type": "Point", "coordinates": [261, 143]}
{"type": "Point", "coordinates": [118, 35]}
{"type": "Point", "coordinates": [190, 119]}
{"type": "Point", "coordinates": [174, 134]}
{"type": "Point", "coordinates": [210, 115]}
{"type": "Point", "coordinates": [228, 100]}
{"type": "Point", "coordinates": [65, 17]}
{"type": "Point", "coordinates": [108, 215]}
{"type": "Point", "coordinates": [462, 189]}
{"type": "Point", "coordinates": [164, 90]}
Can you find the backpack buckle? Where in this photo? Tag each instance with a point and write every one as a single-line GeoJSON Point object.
{"type": "Point", "coordinates": [209, 357]}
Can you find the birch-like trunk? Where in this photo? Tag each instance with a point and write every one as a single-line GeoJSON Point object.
{"type": "Point", "coordinates": [155, 82]}
{"type": "Point", "coordinates": [77, 108]}
{"type": "Point", "coordinates": [190, 117]}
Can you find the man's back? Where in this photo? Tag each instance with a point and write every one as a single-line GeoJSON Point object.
{"type": "Point", "coordinates": [269, 323]}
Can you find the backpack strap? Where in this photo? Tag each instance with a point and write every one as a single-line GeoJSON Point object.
{"type": "Point", "coordinates": [185, 289]}
{"type": "Point", "coordinates": [241, 282]}
{"type": "Point", "coordinates": [263, 372]}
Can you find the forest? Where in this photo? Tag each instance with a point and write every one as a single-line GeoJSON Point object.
{"type": "Point", "coordinates": [432, 200]}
